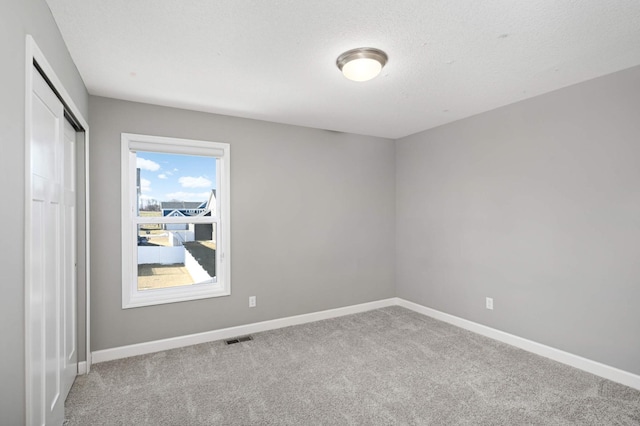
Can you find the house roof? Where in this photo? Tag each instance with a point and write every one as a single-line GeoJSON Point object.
{"type": "Point", "coordinates": [180, 205]}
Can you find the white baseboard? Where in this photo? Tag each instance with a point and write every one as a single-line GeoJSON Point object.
{"type": "Point", "coordinates": [82, 367]}
{"type": "Point", "coordinates": [593, 367]}
{"type": "Point", "coordinates": [226, 333]}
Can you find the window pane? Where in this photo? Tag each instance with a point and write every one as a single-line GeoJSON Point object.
{"type": "Point", "coordinates": [176, 254]}
{"type": "Point", "coordinates": [175, 185]}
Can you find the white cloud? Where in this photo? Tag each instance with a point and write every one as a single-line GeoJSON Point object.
{"type": "Point", "coordinates": [144, 164]}
{"type": "Point", "coordinates": [145, 185]}
{"type": "Point", "coordinates": [195, 182]}
{"type": "Point", "coordinates": [162, 176]}
{"type": "Point", "coordinates": [188, 196]}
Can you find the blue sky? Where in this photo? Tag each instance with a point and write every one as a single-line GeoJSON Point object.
{"type": "Point", "coordinates": [166, 177]}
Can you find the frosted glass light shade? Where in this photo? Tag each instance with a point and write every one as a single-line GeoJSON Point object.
{"type": "Point", "coordinates": [362, 69]}
{"type": "Point", "coordinates": [361, 64]}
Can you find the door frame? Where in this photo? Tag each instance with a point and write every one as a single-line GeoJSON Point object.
{"type": "Point", "coordinates": [35, 57]}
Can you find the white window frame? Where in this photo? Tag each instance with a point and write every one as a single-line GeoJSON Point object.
{"type": "Point", "coordinates": [221, 286]}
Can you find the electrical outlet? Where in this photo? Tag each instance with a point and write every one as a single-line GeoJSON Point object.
{"type": "Point", "coordinates": [489, 303]}
{"type": "Point", "coordinates": [252, 301]}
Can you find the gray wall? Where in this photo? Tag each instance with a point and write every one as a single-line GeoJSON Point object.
{"type": "Point", "coordinates": [18, 18]}
{"type": "Point", "coordinates": [537, 205]}
{"type": "Point", "coordinates": [312, 221]}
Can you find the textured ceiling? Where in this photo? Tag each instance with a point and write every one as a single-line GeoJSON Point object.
{"type": "Point", "coordinates": [275, 60]}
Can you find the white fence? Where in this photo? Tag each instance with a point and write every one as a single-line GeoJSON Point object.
{"type": "Point", "coordinates": [175, 226]}
{"type": "Point", "coordinates": [161, 255]}
{"type": "Point", "coordinates": [176, 238]}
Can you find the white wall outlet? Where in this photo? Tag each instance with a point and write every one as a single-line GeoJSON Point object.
{"type": "Point", "coordinates": [489, 303]}
{"type": "Point", "coordinates": [252, 301]}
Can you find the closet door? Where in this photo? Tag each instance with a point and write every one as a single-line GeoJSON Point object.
{"type": "Point", "coordinates": [51, 249]}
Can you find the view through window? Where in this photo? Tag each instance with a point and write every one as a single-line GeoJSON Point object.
{"type": "Point", "coordinates": [174, 186]}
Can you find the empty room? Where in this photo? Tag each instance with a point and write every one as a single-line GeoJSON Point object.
{"type": "Point", "coordinates": [320, 213]}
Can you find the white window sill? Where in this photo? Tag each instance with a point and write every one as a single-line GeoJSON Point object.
{"type": "Point", "coordinates": [172, 295]}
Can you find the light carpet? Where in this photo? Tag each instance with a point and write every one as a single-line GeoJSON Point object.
{"type": "Point", "coordinates": [390, 366]}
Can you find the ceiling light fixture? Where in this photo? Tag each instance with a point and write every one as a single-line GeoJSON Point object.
{"type": "Point", "coordinates": [362, 64]}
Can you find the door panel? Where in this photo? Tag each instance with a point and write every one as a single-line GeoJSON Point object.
{"type": "Point", "coordinates": [70, 362]}
{"type": "Point", "coordinates": [52, 307]}
{"type": "Point", "coordinates": [36, 342]}
{"type": "Point", "coordinates": [47, 254]}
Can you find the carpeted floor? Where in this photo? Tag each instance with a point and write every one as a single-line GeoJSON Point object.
{"type": "Point", "coordinates": [384, 367]}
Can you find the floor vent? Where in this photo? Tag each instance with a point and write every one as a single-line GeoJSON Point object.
{"type": "Point", "coordinates": [238, 340]}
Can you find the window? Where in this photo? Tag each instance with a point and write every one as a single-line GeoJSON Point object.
{"type": "Point", "coordinates": [175, 220]}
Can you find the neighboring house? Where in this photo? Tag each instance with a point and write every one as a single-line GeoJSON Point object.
{"type": "Point", "coordinates": [187, 209]}
{"type": "Point", "coordinates": [181, 209]}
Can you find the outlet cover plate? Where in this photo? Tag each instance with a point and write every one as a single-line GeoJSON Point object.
{"type": "Point", "coordinates": [489, 303]}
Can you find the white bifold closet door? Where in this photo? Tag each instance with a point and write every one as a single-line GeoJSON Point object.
{"type": "Point", "coordinates": [51, 309]}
